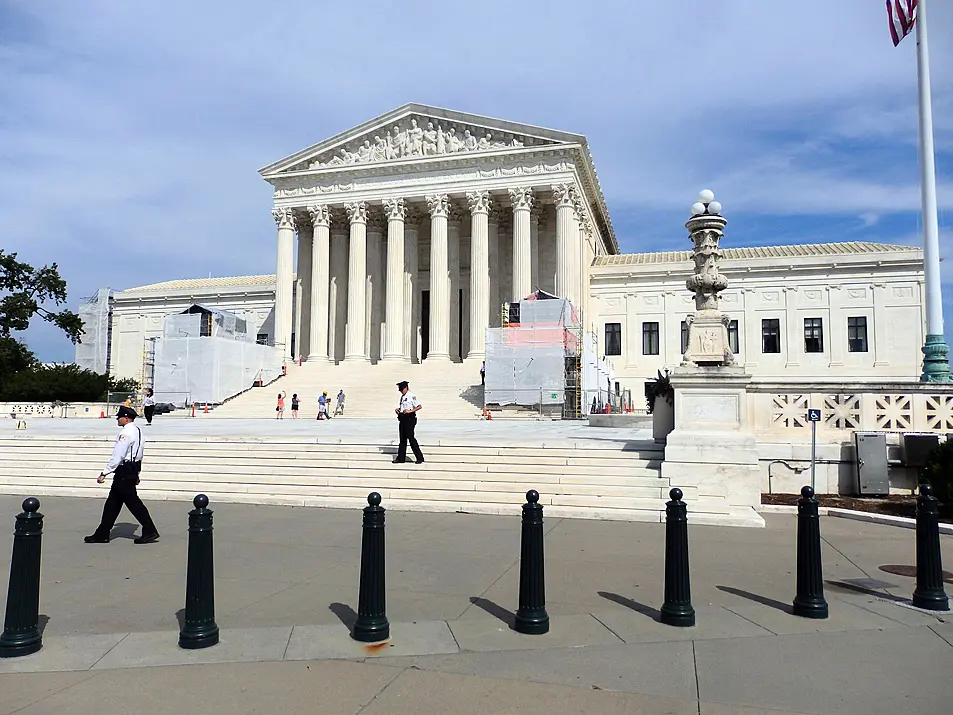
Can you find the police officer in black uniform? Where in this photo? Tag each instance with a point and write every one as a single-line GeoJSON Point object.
{"type": "Point", "coordinates": [407, 410]}
{"type": "Point", "coordinates": [125, 465]}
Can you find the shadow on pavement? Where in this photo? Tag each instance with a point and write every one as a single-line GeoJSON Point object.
{"type": "Point", "coordinates": [345, 614]}
{"type": "Point", "coordinates": [41, 622]}
{"type": "Point", "coordinates": [764, 600]}
{"type": "Point", "coordinates": [652, 613]}
{"type": "Point", "coordinates": [180, 617]}
{"type": "Point", "coordinates": [494, 609]}
{"type": "Point", "coordinates": [124, 531]}
{"type": "Point", "coordinates": [845, 586]}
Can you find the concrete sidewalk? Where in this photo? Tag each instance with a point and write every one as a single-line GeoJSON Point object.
{"type": "Point", "coordinates": [286, 584]}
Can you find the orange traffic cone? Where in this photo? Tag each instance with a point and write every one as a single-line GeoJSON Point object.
{"type": "Point", "coordinates": [206, 408]}
{"type": "Point", "coordinates": [102, 414]}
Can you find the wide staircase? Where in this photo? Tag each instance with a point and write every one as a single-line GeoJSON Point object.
{"type": "Point", "coordinates": [447, 390]}
{"type": "Point", "coordinates": [600, 480]}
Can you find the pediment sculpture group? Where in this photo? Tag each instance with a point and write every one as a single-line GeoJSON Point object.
{"type": "Point", "coordinates": [398, 143]}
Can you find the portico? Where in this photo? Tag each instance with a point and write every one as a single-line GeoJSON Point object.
{"type": "Point", "coordinates": [408, 244]}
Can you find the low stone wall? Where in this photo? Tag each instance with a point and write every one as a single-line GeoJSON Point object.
{"type": "Point", "coordinates": [26, 410]}
{"type": "Point", "coordinates": [625, 420]}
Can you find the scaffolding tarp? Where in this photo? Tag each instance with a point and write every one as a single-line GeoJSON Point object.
{"type": "Point", "coordinates": [526, 363]}
{"type": "Point", "coordinates": [92, 352]}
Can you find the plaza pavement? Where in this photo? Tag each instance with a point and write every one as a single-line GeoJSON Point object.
{"type": "Point", "coordinates": [286, 586]}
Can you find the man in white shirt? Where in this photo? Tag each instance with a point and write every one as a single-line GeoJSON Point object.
{"type": "Point", "coordinates": [125, 465]}
{"type": "Point", "coordinates": [407, 410]}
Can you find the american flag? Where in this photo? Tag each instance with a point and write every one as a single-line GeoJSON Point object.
{"type": "Point", "coordinates": [903, 18]}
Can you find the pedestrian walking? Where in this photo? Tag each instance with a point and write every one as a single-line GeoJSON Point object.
{"type": "Point", "coordinates": [125, 465]}
{"type": "Point", "coordinates": [483, 373]}
{"type": "Point", "coordinates": [294, 406]}
{"type": "Point", "coordinates": [280, 409]}
{"type": "Point", "coordinates": [323, 406]}
{"type": "Point", "coordinates": [407, 410]}
{"type": "Point", "coordinates": [339, 410]}
{"type": "Point", "coordinates": [149, 405]}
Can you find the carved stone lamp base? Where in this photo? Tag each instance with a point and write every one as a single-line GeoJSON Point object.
{"type": "Point", "coordinates": [708, 339]}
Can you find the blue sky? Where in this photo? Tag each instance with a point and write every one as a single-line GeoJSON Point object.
{"type": "Point", "coordinates": [131, 133]}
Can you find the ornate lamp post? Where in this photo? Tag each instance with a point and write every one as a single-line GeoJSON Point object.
{"type": "Point", "coordinates": [707, 328]}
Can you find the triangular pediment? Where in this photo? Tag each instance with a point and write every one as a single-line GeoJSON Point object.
{"type": "Point", "coordinates": [416, 132]}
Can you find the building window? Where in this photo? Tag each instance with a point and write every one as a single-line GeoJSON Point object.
{"type": "Point", "coordinates": [650, 339]}
{"type": "Point", "coordinates": [261, 338]}
{"type": "Point", "coordinates": [613, 339]}
{"type": "Point", "coordinates": [771, 335]}
{"type": "Point", "coordinates": [857, 335]}
{"type": "Point", "coordinates": [813, 335]}
{"type": "Point", "coordinates": [684, 337]}
{"type": "Point", "coordinates": [733, 336]}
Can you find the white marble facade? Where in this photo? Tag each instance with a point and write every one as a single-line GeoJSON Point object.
{"type": "Point", "coordinates": [414, 228]}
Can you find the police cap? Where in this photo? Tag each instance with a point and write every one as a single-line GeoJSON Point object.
{"type": "Point", "coordinates": [127, 412]}
{"type": "Point", "coordinates": [402, 384]}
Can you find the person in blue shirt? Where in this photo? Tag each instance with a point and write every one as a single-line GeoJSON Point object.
{"type": "Point", "coordinates": [323, 406]}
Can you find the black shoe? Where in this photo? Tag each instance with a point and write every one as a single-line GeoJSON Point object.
{"type": "Point", "coordinates": [96, 539]}
{"type": "Point", "coordinates": [419, 461]}
{"type": "Point", "coordinates": [398, 461]}
{"type": "Point", "coordinates": [146, 539]}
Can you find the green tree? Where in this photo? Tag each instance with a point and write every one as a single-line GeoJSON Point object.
{"type": "Point", "coordinates": [25, 290]}
{"type": "Point", "coordinates": [14, 357]}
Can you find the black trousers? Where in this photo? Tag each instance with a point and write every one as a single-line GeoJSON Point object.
{"type": "Point", "coordinates": [149, 410]}
{"type": "Point", "coordinates": [406, 425]}
{"type": "Point", "coordinates": [123, 492]}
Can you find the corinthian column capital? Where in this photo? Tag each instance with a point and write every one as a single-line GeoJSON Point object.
{"type": "Point", "coordinates": [284, 217]}
{"type": "Point", "coordinates": [564, 194]}
{"type": "Point", "coordinates": [356, 212]}
{"type": "Point", "coordinates": [479, 201]}
{"type": "Point", "coordinates": [438, 205]}
{"type": "Point", "coordinates": [320, 215]}
{"type": "Point", "coordinates": [394, 209]}
{"type": "Point", "coordinates": [522, 198]}
{"type": "Point", "coordinates": [454, 213]}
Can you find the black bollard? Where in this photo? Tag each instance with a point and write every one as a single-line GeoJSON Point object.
{"type": "Point", "coordinates": [809, 601]}
{"type": "Point", "coordinates": [531, 617]}
{"type": "Point", "coordinates": [199, 629]}
{"type": "Point", "coordinates": [371, 625]}
{"type": "Point", "coordinates": [929, 593]}
{"type": "Point", "coordinates": [677, 609]}
{"type": "Point", "coordinates": [21, 626]}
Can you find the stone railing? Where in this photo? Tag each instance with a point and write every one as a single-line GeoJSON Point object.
{"type": "Point", "coordinates": [781, 407]}
{"type": "Point", "coordinates": [24, 410]}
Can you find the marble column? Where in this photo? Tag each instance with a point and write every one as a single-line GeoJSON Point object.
{"type": "Point", "coordinates": [302, 329]}
{"type": "Point", "coordinates": [493, 258]}
{"type": "Point", "coordinates": [320, 280]}
{"type": "Point", "coordinates": [566, 236]}
{"type": "Point", "coordinates": [535, 218]}
{"type": "Point", "coordinates": [284, 276]}
{"type": "Point", "coordinates": [454, 219]}
{"type": "Point", "coordinates": [479, 202]}
{"type": "Point", "coordinates": [374, 293]}
{"type": "Point", "coordinates": [411, 282]}
{"type": "Point", "coordinates": [522, 247]}
{"type": "Point", "coordinates": [394, 308]}
{"type": "Point", "coordinates": [356, 282]}
{"type": "Point", "coordinates": [578, 252]}
{"type": "Point", "coordinates": [337, 294]}
{"type": "Point", "coordinates": [438, 206]}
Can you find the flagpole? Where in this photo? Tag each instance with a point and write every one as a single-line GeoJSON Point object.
{"type": "Point", "coordinates": [936, 367]}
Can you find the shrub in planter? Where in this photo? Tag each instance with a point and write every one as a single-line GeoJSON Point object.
{"type": "Point", "coordinates": [659, 388]}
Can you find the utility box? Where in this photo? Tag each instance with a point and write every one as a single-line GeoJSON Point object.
{"type": "Point", "coordinates": [871, 450]}
{"type": "Point", "coordinates": [917, 448]}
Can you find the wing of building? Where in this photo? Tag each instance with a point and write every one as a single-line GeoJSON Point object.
{"type": "Point", "coordinates": [400, 240]}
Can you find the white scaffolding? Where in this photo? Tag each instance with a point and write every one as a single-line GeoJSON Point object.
{"type": "Point", "coordinates": [206, 355]}
{"type": "Point", "coordinates": [92, 352]}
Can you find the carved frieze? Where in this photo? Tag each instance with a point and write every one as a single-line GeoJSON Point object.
{"type": "Point", "coordinates": [418, 136]}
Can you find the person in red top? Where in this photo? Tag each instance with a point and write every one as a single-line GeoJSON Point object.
{"type": "Point", "coordinates": [280, 409]}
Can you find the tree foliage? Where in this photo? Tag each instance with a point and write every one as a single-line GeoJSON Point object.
{"type": "Point", "coordinates": [61, 383]}
{"type": "Point", "coordinates": [938, 471]}
{"type": "Point", "coordinates": [25, 289]}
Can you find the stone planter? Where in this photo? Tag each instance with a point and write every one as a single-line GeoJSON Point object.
{"type": "Point", "coordinates": [663, 419]}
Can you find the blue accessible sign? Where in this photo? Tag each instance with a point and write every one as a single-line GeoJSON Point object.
{"type": "Point", "coordinates": [813, 415]}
